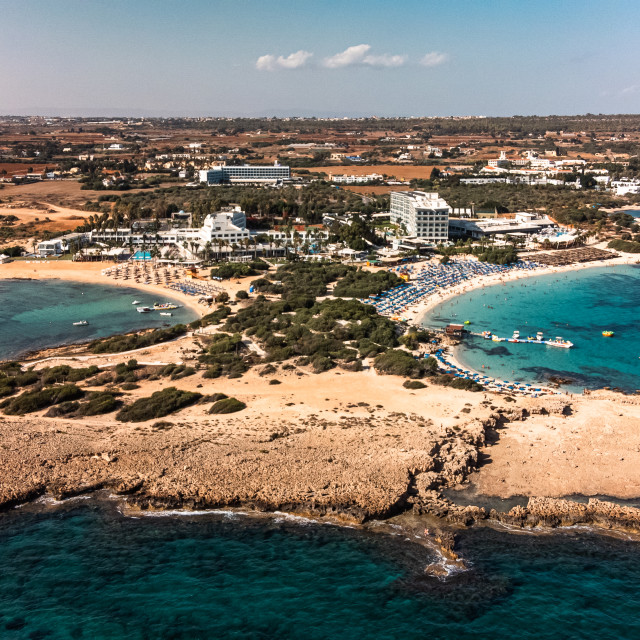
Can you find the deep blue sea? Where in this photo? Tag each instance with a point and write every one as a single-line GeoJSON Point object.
{"type": "Point", "coordinates": [85, 571]}
{"type": "Point", "coordinates": [35, 314]}
{"type": "Point", "coordinates": [576, 305]}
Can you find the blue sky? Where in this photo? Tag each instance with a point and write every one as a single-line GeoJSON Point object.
{"type": "Point", "coordinates": [348, 57]}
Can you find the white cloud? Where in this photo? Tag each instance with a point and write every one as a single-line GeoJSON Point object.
{"type": "Point", "coordinates": [434, 59]}
{"type": "Point", "coordinates": [351, 55]}
{"type": "Point", "coordinates": [266, 63]}
{"type": "Point", "coordinates": [359, 55]}
{"type": "Point", "coordinates": [632, 89]}
{"type": "Point", "coordinates": [294, 60]}
{"type": "Point", "coordinates": [385, 60]}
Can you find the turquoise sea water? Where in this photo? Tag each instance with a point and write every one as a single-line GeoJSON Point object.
{"type": "Point", "coordinates": [35, 314]}
{"type": "Point", "coordinates": [576, 305]}
{"type": "Point", "coordinates": [88, 572]}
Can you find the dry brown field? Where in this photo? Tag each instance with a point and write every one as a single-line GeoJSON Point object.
{"type": "Point", "coordinates": [19, 168]}
{"type": "Point", "coordinates": [399, 171]}
{"type": "Point", "coordinates": [66, 193]}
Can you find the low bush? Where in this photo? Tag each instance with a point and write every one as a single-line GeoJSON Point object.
{"type": "Point", "coordinates": [400, 363]}
{"type": "Point", "coordinates": [36, 400]}
{"type": "Point", "coordinates": [177, 371]}
{"type": "Point", "coordinates": [362, 284]}
{"type": "Point", "coordinates": [626, 246]}
{"type": "Point", "coordinates": [98, 403]}
{"type": "Point", "coordinates": [414, 384]}
{"type": "Point", "coordinates": [238, 269]}
{"type": "Point", "coordinates": [117, 344]}
{"type": "Point", "coordinates": [458, 383]}
{"type": "Point", "coordinates": [129, 386]}
{"type": "Point", "coordinates": [268, 370]}
{"type": "Point", "coordinates": [227, 405]}
{"type": "Point", "coordinates": [157, 405]}
{"type": "Point", "coordinates": [65, 373]}
{"type": "Point", "coordinates": [214, 397]}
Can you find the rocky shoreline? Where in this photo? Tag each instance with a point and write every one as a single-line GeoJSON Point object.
{"type": "Point", "coordinates": [166, 479]}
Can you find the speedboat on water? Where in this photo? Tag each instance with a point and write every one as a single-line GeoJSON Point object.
{"type": "Point", "coordinates": [144, 309]}
{"type": "Point", "coordinates": [560, 342]}
{"type": "Point", "coordinates": [166, 314]}
{"type": "Point", "coordinates": [164, 305]}
{"type": "Point", "coordinates": [80, 323]}
{"type": "Point", "coordinates": [136, 302]}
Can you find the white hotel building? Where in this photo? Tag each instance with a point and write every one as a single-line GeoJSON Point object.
{"type": "Point", "coordinates": [224, 226]}
{"type": "Point", "coordinates": [423, 215]}
{"type": "Point", "coordinates": [247, 173]}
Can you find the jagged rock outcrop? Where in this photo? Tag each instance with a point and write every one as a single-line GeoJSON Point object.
{"type": "Point", "coordinates": [554, 512]}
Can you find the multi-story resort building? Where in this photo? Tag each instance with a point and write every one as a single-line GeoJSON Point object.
{"type": "Point", "coordinates": [222, 231]}
{"type": "Point", "coordinates": [423, 215]}
{"type": "Point", "coordinates": [247, 173]}
{"type": "Point", "coordinates": [225, 226]}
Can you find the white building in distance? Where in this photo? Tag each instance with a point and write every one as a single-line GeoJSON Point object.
{"type": "Point", "coordinates": [625, 186]}
{"type": "Point", "coordinates": [229, 227]}
{"type": "Point", "coordinates": [423, 215]}
{"type": "Point", "coordinates": [345, 179]}
{"type": "Point", "coordinates": [245, 174]}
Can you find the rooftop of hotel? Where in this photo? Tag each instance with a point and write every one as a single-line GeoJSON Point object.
{"type": "Point", "coordinates": [424, 199]}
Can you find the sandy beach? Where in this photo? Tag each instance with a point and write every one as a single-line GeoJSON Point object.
{"type": "Point", "coordinates": [416, 313]}
{"type": "Point", "coordinates": [90, 273]}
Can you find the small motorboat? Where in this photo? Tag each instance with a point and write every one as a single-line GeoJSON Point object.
{"type": "Point", "coordinates": [165, 314]}
{"type": "Point", "coordinates": [144, 310]}
{"type": "Point", "coordinates": [164, 305]}
{"type": "Point", "coordinates": [608, 334]}
{"type": "Point", "coordinates": [80, 323]}
{"type": "Point", "coordinates": [136, 302]}
{"type": "Point", "coordinates": [560, 342]}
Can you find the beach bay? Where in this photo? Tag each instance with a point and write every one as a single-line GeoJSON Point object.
{"type": "Point", "coordinates": [576, 305]}
{"type": "Point", "coordinates": [38, 314]}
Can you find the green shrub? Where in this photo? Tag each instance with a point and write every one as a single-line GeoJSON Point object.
{"type": "Point", "coordinates": [400, 363]}
{"type": "Point", "coordinates": [413, 384]}
{"type": "Point", "coordinates": [117, 344]}
{"type": "Point", "coordinates": [129, 386]}
{"type": "Point", "coordinates": [322, 363]}
{"type": "Point", "coordinates": [227, 405]}
{"type": "Point", "coordinates": [274, 381]}
{"type": "Point", "coordinates": [362, 284]}
{"type": "Point", "coordinates": [98, 403]}
{"type": "Point", "coordinates": [158, 405]}
{"type": "Point", "coordinates": [626, 246]}
{"type": "Point", "coordinates": [214, 397]}
{"type": "Point", "coordinates": [242, 295]}
{"type": "Point", "coordinates": [63, 409]}
{"type": "Point", "coordinates": [35, 400]}
{"type": "Point", "coordinates": [233, 270]}
{"type": "Point", "coordinates": [65, 373]}
{"type": "Point", "coordinates": [458, 383]}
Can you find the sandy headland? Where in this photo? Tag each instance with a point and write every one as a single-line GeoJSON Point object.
{"type": "Point", "coordinates": [350, 445]}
